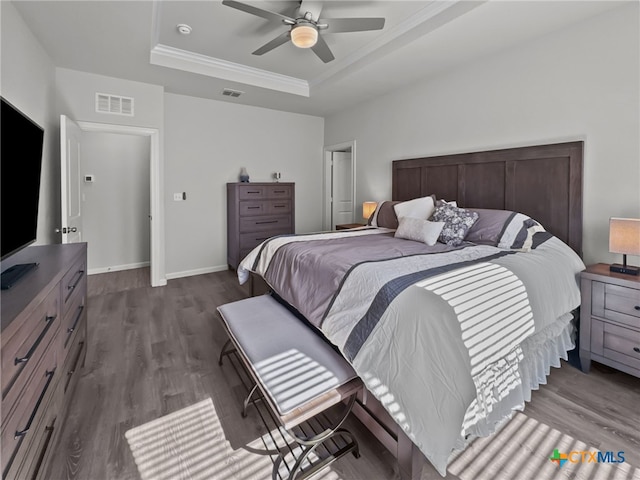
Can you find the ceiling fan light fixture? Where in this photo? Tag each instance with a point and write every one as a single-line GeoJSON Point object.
{"type": "Point", "coordinates": [304, 36]}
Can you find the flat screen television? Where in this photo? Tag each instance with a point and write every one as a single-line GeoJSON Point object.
{"type": "Point", "coordinates": [21, 141]}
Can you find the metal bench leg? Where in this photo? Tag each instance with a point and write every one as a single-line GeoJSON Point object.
{"type": "Point", "coordinates": [309, 445]}
{"type": "Point", "coordinates": [225, 351]}
{"type": "Point", "coordinates": [247, 400]}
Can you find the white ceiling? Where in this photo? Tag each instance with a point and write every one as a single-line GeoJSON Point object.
{"type": "Point", "coordinates": [138, 40]}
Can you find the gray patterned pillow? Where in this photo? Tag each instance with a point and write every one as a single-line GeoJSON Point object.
{"type": "Point", "coordinates": [457, 222]}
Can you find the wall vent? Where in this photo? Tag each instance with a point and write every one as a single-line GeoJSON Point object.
{"type": "Point", "coordinates": [114, 104]}
{"type": "Point", "coordinates": [228, 92]}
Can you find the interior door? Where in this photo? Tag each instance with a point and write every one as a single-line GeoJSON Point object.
{"type": "Point", "coordinates": [342, 188]}
{"type": "Point", "coordinates": [70, 178]}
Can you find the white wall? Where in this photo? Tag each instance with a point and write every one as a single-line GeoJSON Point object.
{"type": "Point", "coordinates": [116, 206]}
{"type": "Point", "coordinates": [26, 80]}
{"type": "Point", "coordinates": [206, 144]}
{"type": "Point", "coordinates": [577, 84]}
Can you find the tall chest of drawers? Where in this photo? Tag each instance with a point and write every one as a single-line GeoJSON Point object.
{"type": "Point", "coordinates": [255, 212]}
{"type": "Point", "coordinates": [43, 345]}
{"type": "Point", "coordinates": [610, 319]}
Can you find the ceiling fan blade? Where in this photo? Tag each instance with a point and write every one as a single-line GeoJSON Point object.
{"type": "Point", "coordinates": [276, 42]}
{"type": "Point", "coordinates": [273, 16]}
{"type": "Point", "coordinates": [339, 25]}
{"type": "Point", "coordinates": [321, 49]}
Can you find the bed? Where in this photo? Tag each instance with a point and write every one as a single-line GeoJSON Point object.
{"type": "Point", "coordinates": [449, 339]}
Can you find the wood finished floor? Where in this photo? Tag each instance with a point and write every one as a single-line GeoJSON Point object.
{"type": "Point", "coordinates": [153, 351]}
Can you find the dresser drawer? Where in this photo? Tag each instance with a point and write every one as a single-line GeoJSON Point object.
{"type": "Point", "coordinates": [250, 241]}
{"type": "Point", "coordinates": [279, 191]}
{"type": "Point", "coordinates": [72, 321]}
{"type": "Point", "coordinates": [622, 344]}
{"type": "Point", "coordinates": [251, 208]}
{"type": "Point", "coordinates": [34, 461]}
{"type": "Point", "coordinates": [266, 223]}
{"type": "Point", "coordinates": [20, 421]}
{"type": "Point", "coordinates": [74, 282]}
{"type": "Point", "coordinates": [276, 207]}
{"type": "Point", "coordinates": [70, 371]}
{"type": "Point", "coordinates": [252, 192]}
{"type": "Point", "coordinates": [21, 352]}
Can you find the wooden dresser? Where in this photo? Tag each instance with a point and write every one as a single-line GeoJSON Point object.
{"type": "Point", "coordinates": [610, 319]}
{"type": "Point", "coordinates": [43, 345]}
{"type": "Point", "coordinates": [255, 212]}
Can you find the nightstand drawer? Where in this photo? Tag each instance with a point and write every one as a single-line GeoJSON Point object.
{"type": "Point", "coordinates": [622, 345]}
{"type": "Point", "coordinates": [621, 300]}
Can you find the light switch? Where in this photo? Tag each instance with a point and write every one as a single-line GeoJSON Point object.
{"type": "Point", "coordinates": [177, 197]}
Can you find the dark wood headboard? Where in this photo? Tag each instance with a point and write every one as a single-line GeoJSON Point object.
{"type": "Point", "coordinates": [541, 181]}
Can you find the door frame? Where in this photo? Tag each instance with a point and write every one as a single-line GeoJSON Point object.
{"type": "Point", "coordinates": [157, 250]}
{"type": "Point", "coordinates": [327, 179]}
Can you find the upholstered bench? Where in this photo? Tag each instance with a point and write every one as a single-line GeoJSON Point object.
{"type": "Point", "coordinates": [297, 372]}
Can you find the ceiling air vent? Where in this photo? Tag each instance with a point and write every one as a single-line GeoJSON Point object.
{"type": "Point", "coordinates": [228, 92]}
{"type": "Point", "coordinates": [114, 104]}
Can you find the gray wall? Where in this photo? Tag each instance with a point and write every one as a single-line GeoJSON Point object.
{"type": "Point", "coordinates": [27, 80]}
{"type": "Point", "coordinates": [115, 207]}
{"type": "Point", "coordinates": [577, 84]}
{"type": "Point", "coordinates": [206, 144]}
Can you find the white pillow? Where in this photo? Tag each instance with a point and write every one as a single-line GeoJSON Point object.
{"type": "Point", "coordinates": [418, 208]}
{"type": "Point", "coordinates": [419, 230]}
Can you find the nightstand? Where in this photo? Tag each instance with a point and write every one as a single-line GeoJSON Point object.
{"type": "Point", "coordinates": [347, 226]}
{"type": "Point", "coordinates": [610, 319]}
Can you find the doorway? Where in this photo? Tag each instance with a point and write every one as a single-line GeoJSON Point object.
{"type": "Point", "coordinates": [153, 174]}
{"type": "Point", "coordinates": [339, 192]}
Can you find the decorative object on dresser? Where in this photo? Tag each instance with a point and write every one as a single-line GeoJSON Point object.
{"type": "Point", "coordinates": [244, 176]}
{"type": "Point", "coordinates": [610, 319]}
{"type": "Point", "coordinates": [367, 209]}
{"type": "Point", "coordinates": [256, 212]}
{"type": "Point", "coordinates": [43, 344]}
{"type": "Point", "coordinates": [277, 176]}
{"type": "Point", "coordinates": [624, 238]}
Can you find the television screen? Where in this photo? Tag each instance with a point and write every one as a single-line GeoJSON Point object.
{"type": "Point", "coordinates": [20, 164]}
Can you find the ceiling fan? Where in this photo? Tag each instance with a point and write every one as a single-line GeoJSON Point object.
{"type": "Point", "coordinates": [304, 31]}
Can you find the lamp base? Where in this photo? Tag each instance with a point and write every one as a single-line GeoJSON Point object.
{"type": "Point", "coordinates": [626, 269]}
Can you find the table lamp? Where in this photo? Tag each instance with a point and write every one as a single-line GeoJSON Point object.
{"type": "Point", "coordinates": [367, 209]}
{"type": "Point", "coordinates": [624, 238]}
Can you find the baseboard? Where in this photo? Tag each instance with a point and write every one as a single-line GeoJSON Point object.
{"type": "Point", "coordinates": [197, 271]}
{"type": "Point", "coordinates": [117, 268]}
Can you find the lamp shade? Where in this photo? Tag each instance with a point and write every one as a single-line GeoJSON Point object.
{"type": "Point", "coordinates": [368, 208]}
{"type": "Point", "coordinates": [304, 36]}
{"type": "Point", "coordinates": [624, 236]}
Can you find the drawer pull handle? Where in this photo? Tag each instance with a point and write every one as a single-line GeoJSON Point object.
{"type": "Point", "coordinates": [22, 433]}
{"type": "Point", "coordinates": [253, 191]}
{"type": "Point", "coordinates": [278, 206]}
{"type": "Point", "coordinates": [269, 221]}
{"type": "Point", "coordinates": [73, 285]}
{"type": "Point", "coordinates": [278, 191]}
{"type": "Point", "coordinates": [253, 208]}
{"type": "Point", "coordinates": [49, 321]}
{"type": "Point", "coordinates": [637, 307]}
{"type": "Point", "coordinates": [636, 349]}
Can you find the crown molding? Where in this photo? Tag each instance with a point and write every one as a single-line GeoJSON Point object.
{"type": "Point", "coordinates": [427, 19]}
{"type": "Point", "coordinates": [170, 57]}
